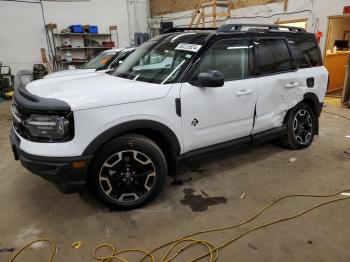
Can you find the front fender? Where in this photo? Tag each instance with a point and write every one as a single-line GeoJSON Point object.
{"type": "Point", "coordinates": [131, 126]}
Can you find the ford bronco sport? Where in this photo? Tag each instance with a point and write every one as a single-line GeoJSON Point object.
{"type": "Point", "coordinates": [179, 95]}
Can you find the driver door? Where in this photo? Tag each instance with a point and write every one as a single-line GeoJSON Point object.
{"type": "Point", "coordinates": [215, 115]}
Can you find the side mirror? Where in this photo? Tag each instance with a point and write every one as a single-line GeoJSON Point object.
{"type": "Point", "coordinates": [211, 78]}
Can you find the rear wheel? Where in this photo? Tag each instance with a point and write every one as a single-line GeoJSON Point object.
{"type": "Point", "coordinates": [128, 172]}
{"type": "Point", "coordinates": [301, 126]}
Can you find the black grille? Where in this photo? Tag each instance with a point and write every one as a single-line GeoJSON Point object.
{"type": "Point", "coordinates": [19, 115]}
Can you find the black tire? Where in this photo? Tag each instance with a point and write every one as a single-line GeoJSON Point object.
{"type": "Point", "coordinates": [300, 133]}
{"type": "Point", "coordinates": [118, 173]}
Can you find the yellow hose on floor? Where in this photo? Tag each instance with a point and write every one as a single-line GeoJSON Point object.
{"type": "Point", "coordinates": [176, 247]}
{"type": "Point", "coordinates": [334, 114]}
{"type": "Point", "coordinates": [52, 243]}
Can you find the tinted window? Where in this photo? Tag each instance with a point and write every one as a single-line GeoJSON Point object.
{"type": "Point", "coordinates": [310, 52]}
{"type": "Point", "coordinates": [309, 48]}
{"type": "Point", "coordinates": [298, 56]}
{"type": "Point", "coordinates": [274, 56]}
{"type": "Point", "coordinates": [230, 57]}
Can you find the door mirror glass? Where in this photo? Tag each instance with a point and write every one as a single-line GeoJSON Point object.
{"type": "Point", "coordinates": [211, 78]}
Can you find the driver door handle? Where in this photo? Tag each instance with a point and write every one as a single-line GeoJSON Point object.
{"type": "Point", "coordinates": [292, 84]}
{"type": "Point", "coordinates": [244, 92]}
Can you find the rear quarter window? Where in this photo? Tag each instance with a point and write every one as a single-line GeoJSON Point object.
{"type": "Point", "coordinates": [309, 49]}
{"type": "Point", "coordinates": [311, 52]}
{"type": "Point", "coordinates": [299, 58]}
{"type": "Point", "coordinates": [274, 56]}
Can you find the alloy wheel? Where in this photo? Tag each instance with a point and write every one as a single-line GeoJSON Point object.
{"type": "Point", "coordinates": [302, 127]}
{"type": "Point", "coordinates": [127, 176]}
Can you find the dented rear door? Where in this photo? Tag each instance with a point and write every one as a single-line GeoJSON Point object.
{"type": "Point", "coordinates": [279, 83]}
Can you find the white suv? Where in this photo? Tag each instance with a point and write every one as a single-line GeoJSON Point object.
{"type": "Point", "coordinates": [178, 96]}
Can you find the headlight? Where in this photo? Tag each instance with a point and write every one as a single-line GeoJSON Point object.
{"type": "Point", "coordinates": [38, 127]}
{"type": "Point", "coordinates": [50, 127]}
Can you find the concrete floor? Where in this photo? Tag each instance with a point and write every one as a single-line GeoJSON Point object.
{"type": "Point", "coordinates": [32, 208]}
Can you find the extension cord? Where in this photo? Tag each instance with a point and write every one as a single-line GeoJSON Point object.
{"type": "Point", "coordinates": [213, 251]}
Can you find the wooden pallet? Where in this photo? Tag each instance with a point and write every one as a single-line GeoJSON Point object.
{"type": "Point", "coordinates": [199, 16]}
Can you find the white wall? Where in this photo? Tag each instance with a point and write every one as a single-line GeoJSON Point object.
{"type": "Point", "coordinates": [316, 11]}
{"type": "Point", "coordinates": [22, 30]}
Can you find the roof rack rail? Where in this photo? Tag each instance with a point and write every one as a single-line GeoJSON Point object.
{"type": "Point", "coordinates": [270, 27]}
{"type": "Point", "coordinates": [182, 29]}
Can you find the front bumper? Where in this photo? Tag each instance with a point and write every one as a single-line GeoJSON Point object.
{"type": "Point", "coordinates": [68, 173]}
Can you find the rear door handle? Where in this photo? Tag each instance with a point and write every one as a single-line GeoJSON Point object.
{"type": "Point", "coordinates": [292, 84]}
{"type": "Point", "coordinates": [244, 92]}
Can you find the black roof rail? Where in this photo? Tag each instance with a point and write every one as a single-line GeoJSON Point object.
{"type": "Point", "coordinates": [182, 29]}
{"type": "Point", "coordinates": [270, 27]}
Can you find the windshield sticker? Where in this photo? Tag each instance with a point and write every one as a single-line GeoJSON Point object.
{"type": "Point", "coordinates": [188, 47]}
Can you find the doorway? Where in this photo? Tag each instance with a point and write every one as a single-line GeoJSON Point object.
{"type": "Point", "coordinates": [336, 52]}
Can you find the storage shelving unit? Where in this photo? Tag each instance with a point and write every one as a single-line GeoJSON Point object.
{"type": "Point", "coordinates": [80, 52]}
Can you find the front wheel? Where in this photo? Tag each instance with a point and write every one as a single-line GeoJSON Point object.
{"type": "Point", "coordinates": [301, 127]}
{"type": "Point", "coordinates": [128, 172]}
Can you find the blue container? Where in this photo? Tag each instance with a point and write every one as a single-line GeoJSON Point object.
{"type": "Point", "coordinates": [76, 28]}
{"type": "Point", "coordinates": [93, 29]}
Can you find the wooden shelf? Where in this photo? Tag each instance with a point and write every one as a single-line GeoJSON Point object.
{"type": "Point", "coordinates": [83, 48]}
{"type": "Point", "coordinates": [82, 34]}
{"type": "Point", "coordinates": [85, 52]}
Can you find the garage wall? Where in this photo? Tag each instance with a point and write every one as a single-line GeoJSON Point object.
{"type": "Point", "coordinates": [160, 7]}
{"type": "Point", "coordinates": [315, 11]}
{"type": "Point", "coordinates": [22, 30]}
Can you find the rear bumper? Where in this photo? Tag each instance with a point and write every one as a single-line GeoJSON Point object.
{"type": "Point", "coordinates": [68, 173]}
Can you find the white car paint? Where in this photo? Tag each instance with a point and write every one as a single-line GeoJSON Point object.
{"type": "Point", "coordinates": [70, 72]}
{"type": "Point", "coordinates": [284, 91]}
{"type": "Point", "coordinates": [94, 120]}
{"type": "Point", "coordinates": [228, 119]}
{"type": "Point", "coordinates": [97, 91]}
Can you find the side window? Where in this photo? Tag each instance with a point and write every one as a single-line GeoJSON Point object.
{"type": "Point", "coordinates": [310, 52]}
{"type": "Point", "coordinates": [230, 57]}
{"type": "Point", "coordinates": [274, 56]}
{"type": "Point", "coordinates": [298, 56]}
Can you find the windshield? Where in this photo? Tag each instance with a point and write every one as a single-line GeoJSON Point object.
{"type": "Point", "coordinates": [99, 61]}
{"type": "Point", "coordinates": [161, 61]}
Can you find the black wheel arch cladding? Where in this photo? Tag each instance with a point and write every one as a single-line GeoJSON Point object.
{"type": "Point", "coordinates": [138, 127]}
{"type": "Point", "coordinates": [312, 100]}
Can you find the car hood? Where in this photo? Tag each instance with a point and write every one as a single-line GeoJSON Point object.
{"type": "Point", "coordinates": [97, 91]}
{"type": "Point", "coordinates": [72, 72]}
